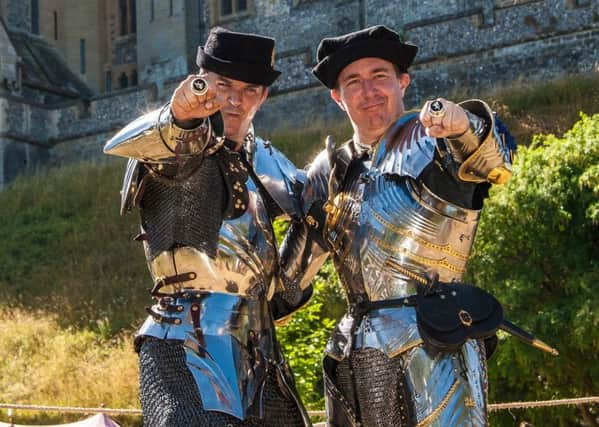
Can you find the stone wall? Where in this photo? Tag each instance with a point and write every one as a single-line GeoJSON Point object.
{"type": "Point", "coordinates": [468, 47]}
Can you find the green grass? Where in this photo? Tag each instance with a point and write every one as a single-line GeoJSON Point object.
{"type": "Point", "coordinates": [73, 284]}
{"type": "Point", "coordinates": [67, 252]}
{"type": "Point", "coordinates": [548, 108]}
{"type": "Point", "coordinates": [302, 146]}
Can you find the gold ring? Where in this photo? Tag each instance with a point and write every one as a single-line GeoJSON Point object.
{"type": "Point", "coordinates": [436, 108]}
{"type": "Point", "coordinates": [199, 86]}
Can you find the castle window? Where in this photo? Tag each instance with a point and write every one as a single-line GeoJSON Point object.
{"type": "Point", "coordinates": [151, 10]}
{"type": "Point", "coordinates": [232, 8]}
{"type": "Point", "coordinates": [123, 16]}
{"type": "Point", "coordinates": [170, 8]}
{"type": "Point", "coordinates": [133, 16]}
{"type": "Point", "coordinates": [35, 17]}
{"type": "Point", "coordinates": [123, 81]}
{"type": "Point", "coordinates": [108, 82]}
{"type": "Point", "coordinates": [82, 56]}
{"type": "Point", "coordinates": [55, 25]}
{"type": "Point", "coordinates": [127, 17]}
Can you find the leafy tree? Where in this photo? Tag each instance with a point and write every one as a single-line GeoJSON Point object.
{"type": "Point", "coordinates": [537, 250]}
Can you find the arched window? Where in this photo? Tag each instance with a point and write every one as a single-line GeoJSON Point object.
{"type": "Point", "coordinates": [134, 78]}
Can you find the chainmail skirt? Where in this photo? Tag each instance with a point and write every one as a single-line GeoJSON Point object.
{"type": "Point", "coordinates": [377, 392]}
{"type": "Point", "coordinates": [169, 395]}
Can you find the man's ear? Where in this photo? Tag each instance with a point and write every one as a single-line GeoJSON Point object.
{"type": "Point", "coordinates": [404, 82]}
{"type": "Point", "coordinates": [337, 98]}
{"type": "Point", "coordinates": [264, 95]}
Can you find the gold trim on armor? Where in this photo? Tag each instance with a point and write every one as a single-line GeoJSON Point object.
{"type": "Point", "coordinates": [407, 347]}
{"type": "Point", "coordinates": [430, 418]}
{"type": "Point", "coordinates": [426, 261]}
{"type": "Point", "coordinates": [448, 249]}
{"type": "Point", "coordinates": [397, 266]}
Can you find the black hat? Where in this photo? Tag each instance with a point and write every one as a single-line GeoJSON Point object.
{"type": "Point", "coordinates": [336, 53]}
{"type": "Point", "coordinates": [246, 57]}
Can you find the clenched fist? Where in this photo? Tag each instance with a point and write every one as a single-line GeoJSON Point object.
{"type": "Point", "coordinates": [187, 104]}
{"type": "Point", "coordinates": [443, 119]}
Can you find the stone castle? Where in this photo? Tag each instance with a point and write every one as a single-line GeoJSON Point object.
{"type": "Point", "coordinates": [74, 71]}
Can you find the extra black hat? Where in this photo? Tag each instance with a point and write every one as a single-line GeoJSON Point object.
{"type": "Point", "coordinates": [336, 53]}
{"type": "Point", "coordinates": [246, 57]}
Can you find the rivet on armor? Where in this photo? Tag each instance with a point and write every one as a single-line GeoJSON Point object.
{"type": "Point", "coordinates": [194, 308]}
{"type": "Point", "coordinates": [179, 308]}
{"type": "Point", "coordinates": [454, 293]}
{"type": "Point", "coordinates": [177, 321]}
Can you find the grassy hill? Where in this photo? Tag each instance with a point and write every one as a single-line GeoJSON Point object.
{"type": "Point", "coordinates": [73, 284]}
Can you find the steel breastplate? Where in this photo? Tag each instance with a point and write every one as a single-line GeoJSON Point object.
{"type": "Point", "coordinates": [244, 259]}
{"type": "Point", "coordinates": [406, 229]}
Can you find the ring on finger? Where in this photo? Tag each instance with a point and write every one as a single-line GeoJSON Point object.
{"type": "Point", "coordinates": [199, 86]}
{"type": "Point", "coordinates": [436, 108]}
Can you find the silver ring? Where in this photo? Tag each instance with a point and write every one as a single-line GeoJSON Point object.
{"type": "Point", "coordinates": [199, 86]}
{"type": "Point", "coordinates": [436, 108]}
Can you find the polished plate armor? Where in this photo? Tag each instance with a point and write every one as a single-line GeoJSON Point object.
{"type": "Point", "coordinates": [213, 268]}
{"type": "Point", "coordinates": [386, 230]}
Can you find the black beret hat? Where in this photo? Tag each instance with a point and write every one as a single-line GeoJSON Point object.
{"type": "Point", "coordinates": [240, 56]}
{"type": "Point", "coordinates": [336, 53]}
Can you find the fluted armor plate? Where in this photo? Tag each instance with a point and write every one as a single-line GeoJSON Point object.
{"type": "Point", "coordinates": [406, 233]}
{"type": "Point", "coordinates": [408, 227]}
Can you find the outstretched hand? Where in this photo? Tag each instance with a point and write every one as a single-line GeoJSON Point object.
{"type": "Point", "coordinates": [443, 119]}
{"type": "Point", "coordinates": [187, 105]}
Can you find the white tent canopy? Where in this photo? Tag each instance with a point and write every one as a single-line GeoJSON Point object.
{"type": "Point", "coordinates": [99, 420]}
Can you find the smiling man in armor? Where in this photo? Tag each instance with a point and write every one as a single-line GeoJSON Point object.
{"type": "Point", "coordinates": [207, 189]}
{"type": "Point", "coordinates": [396, 207]}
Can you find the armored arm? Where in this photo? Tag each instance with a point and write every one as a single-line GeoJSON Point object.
{"type": "Point", "coordinates": [304, 249]}
{"type": "Point", "coordinates": [483, 152]}
{"type": "Point", "coordinates": [155, 138]}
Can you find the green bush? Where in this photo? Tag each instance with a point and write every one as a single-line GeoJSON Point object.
{"type": "Point", "coordinates": [304, 337]}
{"type": "Point", "coordinates": [536, 249]}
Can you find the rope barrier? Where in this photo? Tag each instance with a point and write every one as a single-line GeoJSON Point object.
{"type": "Point", "coordinates": [111, 411]}
{"type": "Point", "coordinates": [542, 403]}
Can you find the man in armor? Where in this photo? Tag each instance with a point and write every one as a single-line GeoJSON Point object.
{"type": "Point", "coordinates": [207, 189]}
{"type": "Point", "coordinates": [397, 208]}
